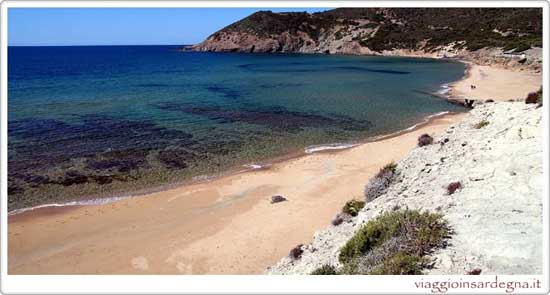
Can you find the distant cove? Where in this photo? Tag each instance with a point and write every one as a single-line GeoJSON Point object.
{"type": "Point", "coordinates": [98, 121]}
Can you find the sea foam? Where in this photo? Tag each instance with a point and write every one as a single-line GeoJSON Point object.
{"type": "Point", "coordinates": [336, 146]}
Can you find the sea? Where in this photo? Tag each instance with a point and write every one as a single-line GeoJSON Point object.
{"type": "Point", "coordinates": [93, 122]}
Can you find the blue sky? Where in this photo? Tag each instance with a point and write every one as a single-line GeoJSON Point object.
{"type": "Point", "coordinates": [121, 26]}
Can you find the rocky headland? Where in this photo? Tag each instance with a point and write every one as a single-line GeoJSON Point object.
{"type": "Point", "coordinates": [507, 37]}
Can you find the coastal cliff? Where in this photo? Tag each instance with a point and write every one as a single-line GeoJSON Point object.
{"type": "Point", "coordinates": [495, 154]}
{"type": "Point", "coordinates": [487, 35]}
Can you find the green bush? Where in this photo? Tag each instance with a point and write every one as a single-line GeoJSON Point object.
{"type": "Point", "coordinates": [518, 46]}
{"type": "Point", "coordinates": [353, 207]}
{"type": "Point", "coordinates": [338, 35]}
{"type": "Point", "coordinates": [481, 124]}
{"type": "Point", "coordinates": [400, 264]}
{"type": "Point", "coordinates": [325, 270]}
{"type": "Point", "coordinates": [394, 243]}
{"type": "Point", "coordinates": [374, 233]}
{"type": "Point", "coordinates": [389, 167]}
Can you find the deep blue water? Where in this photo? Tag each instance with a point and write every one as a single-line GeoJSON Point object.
{"type": "Point", "coordinates": [102, 119]}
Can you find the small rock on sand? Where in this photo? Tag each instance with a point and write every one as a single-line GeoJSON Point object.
{"type": "Point", "coordinates": [277, 199]}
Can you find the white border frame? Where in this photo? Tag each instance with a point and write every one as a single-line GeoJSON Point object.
{"type": "Point", "coordinates": [207, 284]}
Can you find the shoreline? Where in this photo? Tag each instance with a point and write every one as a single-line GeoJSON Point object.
{"type": "Point", "coordinates": [191, 225]}
{"type": "Point", "coordinates": [450, 94]}
{"type": "Point", "coordinates": [250, 167]}
{"type": "Point", "coordinates": [117, 193]}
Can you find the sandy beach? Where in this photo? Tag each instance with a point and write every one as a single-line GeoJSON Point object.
{"type": "Point", "coordinates": [495, 83]}
{"type": "Point", "coordinates": [228, 225]}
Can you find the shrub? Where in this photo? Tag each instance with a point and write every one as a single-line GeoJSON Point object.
{"type": "Point", "coordinates": [338, 35]}
{"type": "Point", "coordinates": [378, 184]}
{"type": "Point", "coordinates": [400, 264]}
{"type": "Point", "coordinates": [325, 270]}
{"type": "Point", "coordinates": [373, 234]}
{"type": "Point", "coordinates": [353, 207]}
{"type": "Point", "coordinates": [394, 243]}
{"type": "Point", "coordinates": [453, 186]}
{"type": "Point", "coordinates": [534, 97]}
{"type": "Point", "coordinates": [340, 218]}
{"type": "Point", "coordinates": [481, 124]}
{"type": "Point", "coordinates": [475, 272]}
{"type": "Point", "coordinates": [390, 167]}
{"type": "Point", "coordinates": [296, 252]}
{"type": "Point", "coordinates": [425, 139]}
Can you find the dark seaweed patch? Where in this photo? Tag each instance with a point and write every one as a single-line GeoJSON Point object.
{"type": "Point", "coordinates": [176, 158]}
{"type": "Point", "coordinates": [282, 68]}
{"type": "Point", "coordinates": [170, 71]}
{"type": "Point", "coordinates": [71, 177]}
{"type": "Point", "coordinates": [33, 180]}
{"type": "Point", "coordinates": [14, 189]}
{"type": "Point", "coordinates": [152, 85]}
{"type": "Point", "coordinates": [108, 145]}
{"type": "Point", "coordinates": [224, 91]}
{"type": "Point", "coordinates": [276, 118]}
{"type": "Point", "coordinates": [277, 85]}
{"type": "Point", "coordinates": [278, 68]}
{"type": "Point", "coordinates": [121, 165]}
{"type": "Point", "coordinates": [247, 66]}
{"type": "Point", "coordinates": [362, 69]}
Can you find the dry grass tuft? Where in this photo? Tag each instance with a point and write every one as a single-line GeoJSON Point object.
{"type": "Point", "coordinates": [296, 252]}
{"type": "Point", "coordinates": [380, 182]}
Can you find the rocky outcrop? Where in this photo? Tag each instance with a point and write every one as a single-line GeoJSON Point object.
{"type": "Point", "coordinates": [421, 32]}
{"type": "Point", "coordinates": [496, 212]}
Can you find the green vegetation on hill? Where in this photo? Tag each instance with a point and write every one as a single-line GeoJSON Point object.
{"type": "Point", "coordinates": [470, 28]}
{"type": "Point", "coordinates": [393, 243]}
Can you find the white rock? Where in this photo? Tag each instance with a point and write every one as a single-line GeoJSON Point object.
{"type": "Point", "coordinates": [497, 216]}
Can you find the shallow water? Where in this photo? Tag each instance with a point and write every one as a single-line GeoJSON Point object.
{"type": "Point", "coordinates": [102, 120]}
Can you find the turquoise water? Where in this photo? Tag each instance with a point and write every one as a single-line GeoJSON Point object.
{"type": "Point", "coordinates": [101, 120]}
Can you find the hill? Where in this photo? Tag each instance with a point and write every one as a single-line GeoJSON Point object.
{"type": "Point", "coordinates": [388, 31]}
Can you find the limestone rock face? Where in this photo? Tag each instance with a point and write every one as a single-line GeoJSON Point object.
{"type": "Point", "coordinates": [496, 215]}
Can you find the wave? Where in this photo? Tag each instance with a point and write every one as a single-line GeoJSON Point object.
{"type": "Point", "coordinates": [254, 166]}
{"type": "Point", "coordinates": [99, 201]}
{"type": "Point", "coordinates": [444, 89]}
{"type": "Point", "coordinates": [426, 120]}
{"type": "Point", "coordinates": [328, 147]}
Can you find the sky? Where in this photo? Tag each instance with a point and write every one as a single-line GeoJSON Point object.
{"type": "Point", "coordinates": [122, 26]}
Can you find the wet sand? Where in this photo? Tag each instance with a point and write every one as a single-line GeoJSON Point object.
{"type": "Point", "coordinates": [224, 226]}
